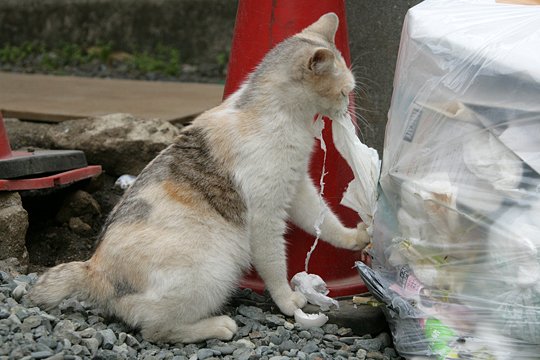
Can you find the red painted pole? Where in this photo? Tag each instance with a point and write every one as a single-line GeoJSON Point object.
{"type": "Point", "coordinates": [5, 148]}
{"type": "Point", "coordinates": [260, 25]}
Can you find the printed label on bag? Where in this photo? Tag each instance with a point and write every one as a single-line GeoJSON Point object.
{"type": "Point", "coordinates": [412, 125]}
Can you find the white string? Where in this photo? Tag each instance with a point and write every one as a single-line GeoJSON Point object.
{"type": "Point", "coordinates": [320, 126]}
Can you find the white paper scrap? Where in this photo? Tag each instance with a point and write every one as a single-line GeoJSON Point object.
{"type": "Point", "coordinates": [314, 289]}
{"type": "Point", "coordinates": [125, 181]}
{"type": "Point", "coordinates": [361, 194]}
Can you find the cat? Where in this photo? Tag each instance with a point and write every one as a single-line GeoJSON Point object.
{"type": "Point", "coordinates": [217, 200]}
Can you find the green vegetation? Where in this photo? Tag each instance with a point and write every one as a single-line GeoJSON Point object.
{"type": "Point", "coordinates": [163, 60]}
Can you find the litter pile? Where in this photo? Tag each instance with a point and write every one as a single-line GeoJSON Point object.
{"type": "Point", "coordinates": [456, 236]}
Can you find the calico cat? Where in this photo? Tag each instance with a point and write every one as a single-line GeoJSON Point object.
{"type": "Point", "coordinates": [217, 200]}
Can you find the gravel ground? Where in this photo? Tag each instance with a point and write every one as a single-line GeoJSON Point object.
{"type": "Point", "coordinates": [78, 331]}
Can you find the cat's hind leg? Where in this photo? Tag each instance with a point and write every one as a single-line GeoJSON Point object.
{"type": "Point", "coordinates": [175, 319]}
{"type": "Point", "coordinates": [217, 327]}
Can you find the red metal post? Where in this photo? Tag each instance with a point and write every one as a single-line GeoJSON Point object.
{"type": "Point", "coordinates": [5, 148]}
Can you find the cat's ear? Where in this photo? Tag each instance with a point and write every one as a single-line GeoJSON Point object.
{"type": "Point", "coordinates": [326, 26]}
{"type": "Point", "coordinates": [321, 61]}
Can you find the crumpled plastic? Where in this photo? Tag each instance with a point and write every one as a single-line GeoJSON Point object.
{"type": "Point", "coordinates": [314, 289]}
{"type": "Point", "coordinates": [125, 181]}
{"type": "Point", "coordinates": [361, 194]}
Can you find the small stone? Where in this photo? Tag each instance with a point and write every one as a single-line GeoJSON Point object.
{"type": "Point", "coordinates": [255, 335]}
{"type": "Point", "coordinates": [31, 322]}
{"type": "Point", "coordinates": [274, 320]}
{"type": "Point", "coordinates": [19, 291]}
{"type": "Point", "coordinates": [244, 330]}
{"type": "Point", "coordinates": [375, 355]}
{"type": "Point", "coordinates": [279, 358]}
{"type": "Point", "coordinates": [252, 312]}
{"type": "Point", "coordinates": [310, 347]}
{"type": "Point", "coordinates": [132, 353]}
{"type": "Point", "coordinates": [88, 332]}
{"type": "Point", "coordinates": [66, 344]}
{"type": "Point", "coordinates": [262, 350]}
{"type": "Point", "coordinates": [14, 319]}
{"type": "Point", "coordinates": [71, 305]}
{"type": "Point", "coordinates": [343, 353]}
{"type": "Point", "coordinates": [117, 327]}
{"type": "Point", "coordinates": [275, 339]}
{"type": "Point", "coordinates": [132, 342]}
{"type": "Point", "coordinates": [206, 353]}
{"type": "Point", "coordinates": [106, 355]}
{"type": "Point", "coordinates": [4, 313]}
{"type": "Point", "coordinates": [292, 352]}
{"type": "Point", "coordinates": [390, 352]}
{"type": "Point", "coordinates": [349, 340]}
{"type": "Point", "coordinates": [108, 338]}
{"type": "Point", "coordinates": [316, 332]}
{"type": "Point", "coordinates": [122, 336]}
{"type": "Point", "coordinates": [93, 319]}
{"type": "Point", "coordinates": [288, 325]}
{"type": "Point", "coordinates": [368, 344]}
{"type": "Point", "coordinates": [344, 331]}
{"type": "Point", "coordinates": [330, 337]}
{"type": "Point", "coordinates": [386, 340]}
{"type": "Point", "coordinates": [58, 356]}
{"type": "Point", "coordinates": [315, 356]}
{"type": "Point", "coordinates": [242, 354]}
{"type": "Point", "coordinates": [287, 345]}
{"type": "Point", "coordinates": [92, 344]}
{"type": "Point", "coordinates": [304, 334]}
{"type": "Point", "coordinates": [224, 349]}
{"type": "Point", "coordinates": [123, 350]}
{"type": "Point", "coordinates": [78, 349]}
{"type": "Point", "coordinates": [189, 349]}
{"type": "Point", "coordinates": [330, 329]}
{"type": "Point", "coordinates": [78, 226]}
{"type": "Point", "coordinates": [361, 354]}
{"type": "Point", "coordinates": [41, 354]}
{"type": "Point", "coordinates": [63, 326]}
{"type": "Point", "coordinates": [245, 343]}
{"type": "Point", "coordinates": [48, 341]}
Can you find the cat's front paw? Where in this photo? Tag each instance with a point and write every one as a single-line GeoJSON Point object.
{"type": "Point", "coordinates": [290, 302]}
{"type": "Point", "coordinates": [359, 239]}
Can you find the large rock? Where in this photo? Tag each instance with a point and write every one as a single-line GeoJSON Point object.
{"type": "Point", "coordinates": [80, 205]}
{"type": "Point", "coordinates": [121, 143]}
{"type": "Point", "coordinates": [28, 134]}
{"type": "Point", "coordinates": [13, 226]}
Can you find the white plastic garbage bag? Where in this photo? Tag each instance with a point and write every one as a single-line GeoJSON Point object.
{"type": "Point", "coordinates": [456, 236]}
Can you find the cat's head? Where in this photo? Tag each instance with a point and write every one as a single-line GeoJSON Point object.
{"type": "Point", "coordinates": [308, 67]}
{"type": "Point", "coordinates": [323, 70]}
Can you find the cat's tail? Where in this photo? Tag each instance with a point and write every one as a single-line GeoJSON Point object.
{"type": "Point", "coordinates": [63, 281]}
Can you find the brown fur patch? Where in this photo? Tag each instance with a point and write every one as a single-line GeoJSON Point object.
{"type": "Point", "coordinates": [181, 193]}
{"type": "Point", "coordinates": [191, 162]}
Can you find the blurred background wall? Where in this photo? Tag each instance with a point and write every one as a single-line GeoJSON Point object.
{"type": "Point", "coordinates": [197, 32]}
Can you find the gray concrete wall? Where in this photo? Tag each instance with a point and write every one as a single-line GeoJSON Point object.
{"type": "Point", "coordinates": [202, 30]}
{"type": "Point", "coordinates": [374, 34]}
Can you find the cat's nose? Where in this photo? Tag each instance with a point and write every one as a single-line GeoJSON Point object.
{"type": "Point", "coordinates": [346, 90]}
